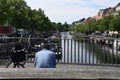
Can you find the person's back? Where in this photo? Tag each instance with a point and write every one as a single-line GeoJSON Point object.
{"type": "Point", "coordinates": [45, 59]}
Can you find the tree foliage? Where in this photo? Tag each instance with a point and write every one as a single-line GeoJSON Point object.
{"type": "Point", "coordinates": [18, 14]}
{"type": "Point", "coordinates": [110, 22]}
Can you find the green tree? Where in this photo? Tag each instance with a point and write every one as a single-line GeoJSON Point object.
{"type": "Point", "coordinates": [5, 11]}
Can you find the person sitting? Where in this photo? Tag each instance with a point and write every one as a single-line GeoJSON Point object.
{"type": "Point", "coordinates": [45, 58]}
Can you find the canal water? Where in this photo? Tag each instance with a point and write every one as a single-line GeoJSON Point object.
{"type": "Point", "coordinates": [84, 51]}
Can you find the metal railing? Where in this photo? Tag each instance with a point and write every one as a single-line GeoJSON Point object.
{"type": "Point", "coordinates": [86, 51]}
{"type": "Point", "coordinates": [78, 51]}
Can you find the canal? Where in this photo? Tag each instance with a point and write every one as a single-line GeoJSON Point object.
{"type": "Point", "coordinates": [86, 52]}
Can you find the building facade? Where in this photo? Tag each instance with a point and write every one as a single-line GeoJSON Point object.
{"type": "Point", "coordinates": [6, 30]}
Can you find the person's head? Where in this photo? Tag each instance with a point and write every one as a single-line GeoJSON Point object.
{"type": "Point", "coordinates": [46, 46]}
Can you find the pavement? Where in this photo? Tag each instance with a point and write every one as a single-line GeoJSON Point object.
{"type": "Point", "coordinates": [62, 71]}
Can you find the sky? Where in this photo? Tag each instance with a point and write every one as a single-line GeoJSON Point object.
{"type": "Point", "coordinates": [70, 10]}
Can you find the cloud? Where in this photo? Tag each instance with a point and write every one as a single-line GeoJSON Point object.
{"type": "Point", "coordinates": [70, 10]}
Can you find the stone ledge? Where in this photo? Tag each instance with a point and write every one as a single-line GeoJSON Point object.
{"type": "Point", "coordinates": [62, 72]}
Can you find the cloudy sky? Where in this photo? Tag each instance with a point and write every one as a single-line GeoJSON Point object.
{"type": "Point", "coordinates": [70, 10]}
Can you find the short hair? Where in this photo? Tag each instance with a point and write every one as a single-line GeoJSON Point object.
{"type": "Point", "coordinates": [47, 46]}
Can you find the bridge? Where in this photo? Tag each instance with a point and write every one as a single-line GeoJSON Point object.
{"type": "Point", "coordinates": [102, 64]}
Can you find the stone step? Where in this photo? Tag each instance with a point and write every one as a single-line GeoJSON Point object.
{"type": "Point", "coordinates": [62, 71]}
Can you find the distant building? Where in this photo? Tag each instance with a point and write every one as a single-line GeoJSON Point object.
{"type": "Point", "coordinates": [117, 9]}
{"type": "Point", "coordinates": [101, 13]}
{"type": "Point", "coordinates": [6, 30]}
{"type": "Point", "coordinates": [79, 21]}
{"type": "Point", "coordinates": [104, 12]}
{"type": "Point", "coordinates": [87, 19]}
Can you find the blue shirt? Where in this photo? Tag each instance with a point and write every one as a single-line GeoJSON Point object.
{"type": "Point", "coordinates": [45, 59]}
